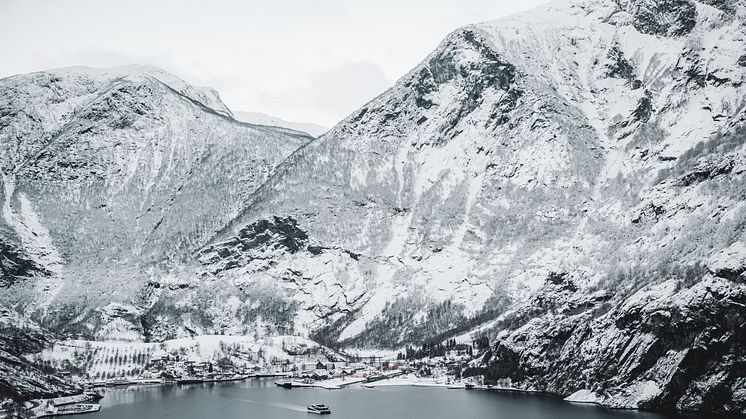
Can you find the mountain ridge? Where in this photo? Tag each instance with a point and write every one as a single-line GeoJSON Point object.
{"type": "Point", "coordinates": [259, 118]}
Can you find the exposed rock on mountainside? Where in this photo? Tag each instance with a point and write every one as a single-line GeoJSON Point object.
{"type": "Point", "coordinates": [662, 17]}
{"type": "Point", "coordinates": [14, 263]}
{"type": "Point", "coordinates": [18, 378]}
{"type": "Point", "coordinates": [668, 346]}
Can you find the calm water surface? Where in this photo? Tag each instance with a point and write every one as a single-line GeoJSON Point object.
{"type": "Point", "coordinates": [260, 398]}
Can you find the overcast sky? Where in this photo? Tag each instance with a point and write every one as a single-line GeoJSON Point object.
{"type": "Point", "coordinates": [301, 60]}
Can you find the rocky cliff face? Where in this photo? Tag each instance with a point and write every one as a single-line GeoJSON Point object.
{"type": "Point", "coordinates": [671, 346]}
{"type": "Point", "coordinates": [19, 378]}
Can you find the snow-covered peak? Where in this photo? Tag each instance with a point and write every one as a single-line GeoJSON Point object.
{"type": "Point", "coordinates": [207, 96]}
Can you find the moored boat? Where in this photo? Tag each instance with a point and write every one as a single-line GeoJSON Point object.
{"type": "Point", "coordinates": [119, 382]}
{"type": "Point", "coordinates": [190, 380]}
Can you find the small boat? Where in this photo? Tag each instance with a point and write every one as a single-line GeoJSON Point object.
{"type": "Point", "coordinates": [148, 381]}
{"type": "Point", "coordinates": [93, 395]}
{"type": "Point", "coordinates": [118, 382]}
{"type": "Point", "coordinates": [469, 386]}
{"type": "Point", "coordinates": [190, 380]}
{"type": "Point", "coordinates": [319, 409]}
{"type": "Point", "coordinates": [284, 384]}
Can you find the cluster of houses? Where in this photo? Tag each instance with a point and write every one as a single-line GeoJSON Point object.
{"type": "Point", "coordinates": [449, 367]}
{"type": "Point", "coordinates": [173, 366]}
{"type": "Point", "coordinates": [170, 366]}
{"type": "Point", "coordinates": [435, 361]}
{"type": "Point", "coordinates": [321, 370]}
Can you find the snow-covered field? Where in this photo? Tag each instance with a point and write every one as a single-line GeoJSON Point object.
{"type": "Point", "coordinates": [128, 359]}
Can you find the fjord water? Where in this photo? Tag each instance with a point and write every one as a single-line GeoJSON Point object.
{"type": "Point", "coordinates": [260, 398]}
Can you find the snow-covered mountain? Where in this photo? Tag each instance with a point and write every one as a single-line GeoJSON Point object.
{"type": "Point", "coordinates": [569, 180]}
{"type": "Point", "coordinates": [520, 147]}
{"type": "Point", "coordinates": [109, 175]}
{"type": "Point", "coordinates": [260, 118]}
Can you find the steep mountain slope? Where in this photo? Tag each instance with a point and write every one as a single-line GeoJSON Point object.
{"type": "Point", "coordinates": [111, 174]}
{"type": "Point", "coordinates": [535, 175]}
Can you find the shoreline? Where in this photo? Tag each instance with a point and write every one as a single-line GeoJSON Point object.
{"type": "Point", "coordinates": [392, 382]}
{"type": "Point", "coordinates": [395, 381]}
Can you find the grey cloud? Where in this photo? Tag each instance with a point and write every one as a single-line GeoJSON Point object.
{"type": "Point", "coordinates": [331, 94]}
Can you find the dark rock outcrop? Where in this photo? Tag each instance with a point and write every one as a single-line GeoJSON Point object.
{"type": "Point", "coordinates": [618, 66]}
{"type": "Point", "coordinates": [663, 17]}
{"type": "Point", "coordinates": [264, 235]}
{"type": "Point", "coordinates": [16, 264]}
{"type": "Point", "coordinates": [665, 347]}
{"type": "Point", "coordinates": [19, 379]}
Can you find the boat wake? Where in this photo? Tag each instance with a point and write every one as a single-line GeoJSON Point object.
{"type": "Point", "coordinates": [286, 406]}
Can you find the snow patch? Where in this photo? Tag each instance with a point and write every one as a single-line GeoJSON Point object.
{"type": "Point", "coordinates": [28, 226]}
{"type": "Point", "coordinates": [583, 396]}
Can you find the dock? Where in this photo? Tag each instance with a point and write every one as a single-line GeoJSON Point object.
{"type": "Point", "coordinates": [294, 384]}
{"type": "Point", "coordinates": [271, 375]}
{"type": "Point", "coordinates": [72, 409]}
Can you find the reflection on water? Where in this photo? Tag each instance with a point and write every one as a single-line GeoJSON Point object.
{"type": "Point", "coordinates": [260, 398]}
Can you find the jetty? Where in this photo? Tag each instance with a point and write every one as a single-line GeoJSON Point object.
{"type": "Point", "coordinates": [73, 409]}
{"type": "Point", "coordinates": [190, 380]}
{"type": "Point", "coordinates": [295, 383]}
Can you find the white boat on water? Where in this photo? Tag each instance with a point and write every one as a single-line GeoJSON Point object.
{"type": "Point", "coordinates": [319, 409]}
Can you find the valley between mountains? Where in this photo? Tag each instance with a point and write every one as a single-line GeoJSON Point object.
{"type": "Point", "coordinates": [569, 182]}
